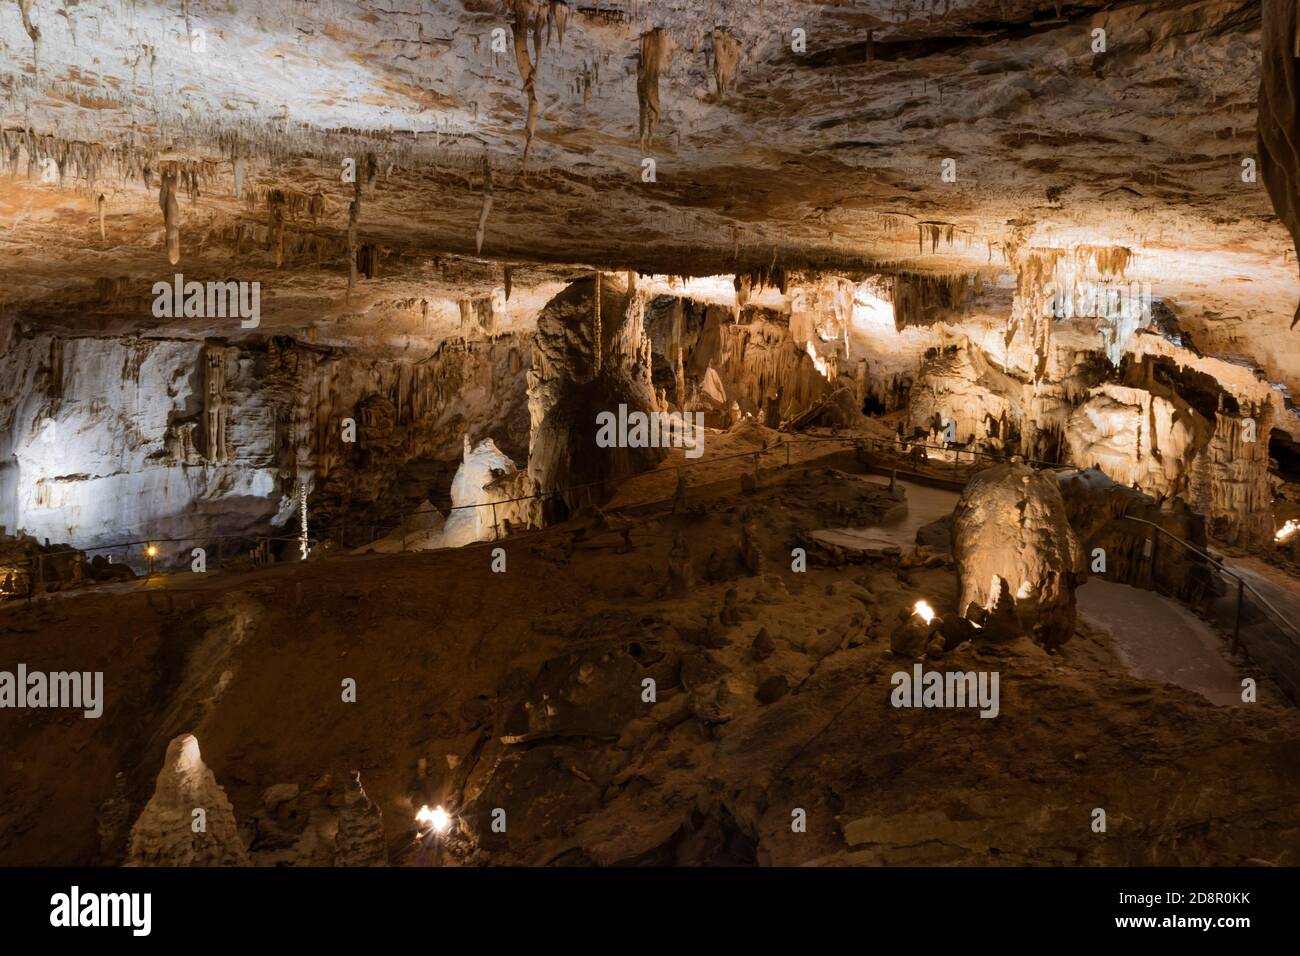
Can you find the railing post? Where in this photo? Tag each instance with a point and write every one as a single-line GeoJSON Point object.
{"type": "Point", "coordinates": [1236, 628]}
{"type": "Point", "coordinates": [1155, 549]}
{"type": "Point", "coordinates": [496, 532]}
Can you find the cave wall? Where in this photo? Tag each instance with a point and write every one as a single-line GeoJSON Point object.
{"type": "Point", "coordinates": [579, 372]}
{"type": "Point", "coordinates": [1278, 123]}
{"type": "Point", "coordinates": [1165, 420]}
{"type": "Point", "coordinates": [762, 362]}
{"type": "Point", "coordinates": [86, 429]}
{"type": "Point", "coordinates": [113, 439]}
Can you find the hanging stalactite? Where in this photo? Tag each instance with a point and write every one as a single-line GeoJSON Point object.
{"type": "Point", "coordinates": [171, 215]}
{"type": "Point", "coordinates": [656, 50]}
{"type": "Point", "coordinates": [33, 31]}
{"type": "Point", "coordinates": [529, 18]}
{"type": "Point", "coordinates": [487, 207]}
{"type": "Point", "coordinates": [726, 60]}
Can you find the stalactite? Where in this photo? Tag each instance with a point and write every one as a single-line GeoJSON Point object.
{"type": "Point", "coordinates": [33, 31]}
{"type": "Point", "coordinates": [275, 234]}
{"type": "Point", "coordinates": [354, 213]}
{"type": "Point", "coordinates": [529, 17]}
{"type": "Point", "coordinates": [656, 49]}
{"type": "Point", "coordinates": [171, 215]}
{"type": "Point", "coordinates": [726, 61]}
{"type": "Point", "coordinates": [596, 331]}
{"type": "Point", "coordinates": [487, 208]}
{"type": "Point", "coordinates": [560, 14]}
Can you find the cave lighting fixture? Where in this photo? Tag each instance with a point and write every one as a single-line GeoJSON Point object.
{"type": "Point", "coordinates": [437, 820]}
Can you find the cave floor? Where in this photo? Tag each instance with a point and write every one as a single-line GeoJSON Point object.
{"type": "Point", "coordinates": [525, 690]}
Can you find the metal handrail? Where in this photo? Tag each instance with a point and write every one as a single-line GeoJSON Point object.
{"type": "Point", "coordinates": [1242, 583]}
{"type": "Point", "coordinates": [342, 526]}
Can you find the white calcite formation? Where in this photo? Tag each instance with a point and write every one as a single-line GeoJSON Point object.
{"type": "Point", "coordinates": [120, 439]}
{"type": "Point", "coordinates": [103, 441]}
{"type": "Point", "coordinates": [485, 476]}
{"type": "Point", "coordinates": [1017, 556]}
{"type": "Point", "coordinates": [170, 831]}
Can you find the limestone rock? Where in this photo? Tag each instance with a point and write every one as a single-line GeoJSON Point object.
{"type": "Point", "coordinates": [164, 833]}
{"type": "Point", "coordinates": [361, 829]}
{"type": "Point", "coordinates": [1013, 543]}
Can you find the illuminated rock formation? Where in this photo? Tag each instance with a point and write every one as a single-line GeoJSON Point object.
{"type": "Point", "coordinates": [189, 820]}
{"type": "Point", "coordinates": [1016, 552]}
{"type": "Point", "coordinates": [485, 476]}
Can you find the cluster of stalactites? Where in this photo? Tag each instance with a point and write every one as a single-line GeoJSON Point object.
{"type": "Point", "coordinates": [921, 299]}
{"type": "Point", "coordinates": [1049, 278]}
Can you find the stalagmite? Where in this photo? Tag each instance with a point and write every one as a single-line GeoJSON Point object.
{"type": "Point", "coordinates": [360, 839]}
{"type": "Point", "coordinates": [168, 833]}
{"type": "Point", "coordinates": [99, 210]}
{"type": "Point", "coordinates": [656, 49]}
{"type": "Point", "coordinates": [1017, 556]}
{"type": "Point", "coordinates": [304, 539]}
{"type": "Point", "coordinates": [215, 410]}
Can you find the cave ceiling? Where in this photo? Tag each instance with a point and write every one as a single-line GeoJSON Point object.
{"type": "Point", "coordinates": [827, 159]}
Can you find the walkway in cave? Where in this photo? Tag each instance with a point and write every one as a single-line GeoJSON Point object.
{"type": "Point", "coordinates": [924, 505]}
{"type": "Point", "coordinates": [1159, 639]}
{"type": "Point", "coordinates": [1276, 586]}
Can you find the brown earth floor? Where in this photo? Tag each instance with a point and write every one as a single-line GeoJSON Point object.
{"type": "Point", "coordinates": [524, 690]}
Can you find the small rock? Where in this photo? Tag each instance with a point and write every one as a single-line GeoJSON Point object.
{"type": "Point", "coordinates": [279, 793]}
{"type": "Point", "coordinates": [772, 689]}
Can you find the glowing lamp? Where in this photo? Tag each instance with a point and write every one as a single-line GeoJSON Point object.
{"type": "Point", "coordinates": [1287, 531]}
{"type": "Point", "coordinates": [152, 551]}
{"type": "Point", "coordinates": [438, 820]}
{"type": "Point", "coordinates": [924, 611]}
